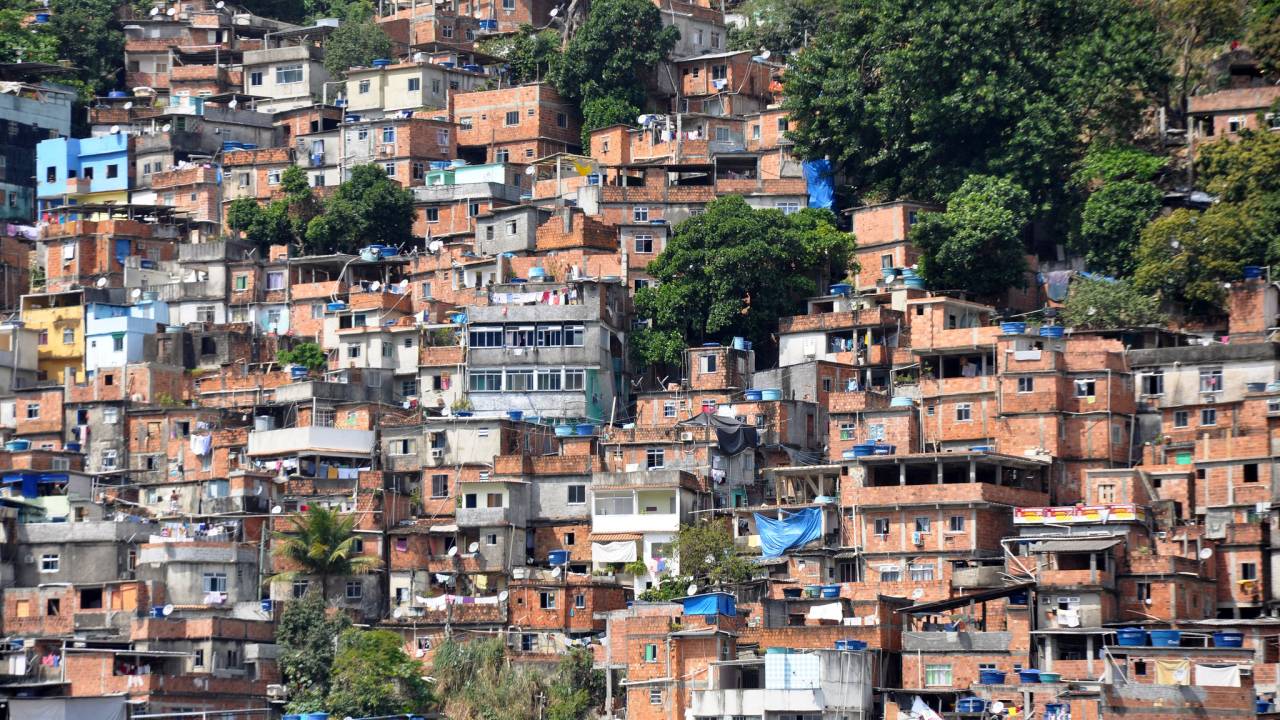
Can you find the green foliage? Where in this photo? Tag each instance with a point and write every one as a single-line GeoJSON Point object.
{"type": "Point", "coordinates": [91, 38]}
{"type": "Point", "coordinates": [1109, 162]}
{"type": "Point", "coordinates": [308, 354]}
{"type": "Point", "coordinates": [357, 41]}
{"type": "Point", "coordinates": [321, 543]}
{"type": "Point", "coordinates": [669, 587]}
{"type": "Point", "coordinates": [22, 43]}
{"type": "Point", "coordinates": [1112, 222]}
{"type": "Point", "coordinates": [531, 54]}
{"type": "Point", "coordinates": [1103, 305]}
{"type": "Point", "coordinates": [369, 208]}
{"type": "Point", "coordinates": [733, 271]}
{"type": "Point", "coordinates": [620, 41]}
{"type": "Point", "coordinates": [1193, 33]}
{"type": "Point", "coordinates": [1186, 256]}
{"type": "Point", "coordinates": [605, 111]}
{"type": "Point", "coordinates": [1238, 171]}
{"type": "Point", "coordinates": [908, 98]}
{"type": "Point", "coordinates": [1264, 34]}
{"type": "Point", "coordinates": [475, 681]}
{"type": "Point", "coordinates": [373, 676]}
{"type": "Point", "coordinates": [305, 635]}
{"type": "Point", "coordinates": [976, 245]}
{"type": "Point", "coordinates": [576, 689]}
{"type": "Point", "coordinates": [696, 542]}
{"type": "Point", "coordinates": [779, 25]}
{"type": "Point", "coordinates": [262, 226]}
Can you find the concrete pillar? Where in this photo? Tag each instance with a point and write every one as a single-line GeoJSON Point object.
{"type": "Point", "coordinates": [938, 467]}
{"type": "Point", "coordinates": [973, 470]}
{"type": "Point", "coordinates": [902, 474]}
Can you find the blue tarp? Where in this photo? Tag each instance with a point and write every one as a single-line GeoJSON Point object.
{"type": "Point", "coordinates": [710, 604]}
{"type": "Point", "coordinates": [792, 530]}
{"type": "Point", "coordinates": [817, 177]}
{"type": "Point", "coordinates": [30, 481]}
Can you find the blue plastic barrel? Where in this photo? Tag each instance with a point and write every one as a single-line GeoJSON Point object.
{"type": "Point", "coordinates": [558, 557]}
{"type": "Point", "coordinates": [42, 18]}
{"type": "Point", "coordinates": [1228, 639]}
{"type": "Point", "coordinates": [1013, 328]}
{"type": "Point", "coordinates": [830, 591]}
{"type": "Point", "coordinates": [914, 283]}
{"type": "Point", "coordinates": [863, 450]}
{"type": "Point", "coordinates": [1029, 675]}
{"type": "Point", "coordinates": [771, 394]}
{"type": "Point", "coordinates": [901, 401]}
{"type": "Point", "coordinates": [1166, 638]}
{"type": "Point", "coordinates": [841, 289]}
{"type": "Point", "coordinates": [751, 395]}
{"type": "Point", "coordinates": [1051, 331]}
{"type": "Point", "coordinates": [971, 705]}
{"type": "Point", "coordinates": [381, 62]}
{"type": "Point", "coordinates": [315, 716]}
{"type": "Point", "coordinates": [1131, 637]}
{"type": "Point", "coordinates": [1252, 272]}
{"type": "Point", "coordinates": [739, 343]}
{"type": "Point", "coordinates": [537, 273]}
{"type": "Point", "coordinates": [516, 415]}
{"type": "Point", "coordinates": [991, 677]}
{"type": "Point", "coordinates": [73, 447]}
{"type": "Point", "coordinates": [117, 94]}
{"type": "Point", "coordinates": [297, 372]}
{"type": "Point", "coordinates": [564, 430]}
{"type": "Point", "coordinates": [851, 645]}
{"type": "Point", "coordinates": [883, 449]}
{"type": "Point", "coordinates": [18, 445]}
{"type": "Point", "coordinates": [1262, 706]}
{"type": "Point", "coordinates": [266, 605]}
{"type": "Point", "coordinates": [849, 454]}
{"type": "Point", "coordinates": [584, 429]}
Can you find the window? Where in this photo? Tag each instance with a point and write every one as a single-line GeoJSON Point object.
{"type": "Point", "coordinates": [1181, 418]}
{"type": "Point", "coordinates": [415, 84]}
{"type": "Point", "coordinates": [1026, 384]}
{"type": "Point", "coordinates": [433, 215]}
{"type": "Point", "coordinates": [719, 72]}
{"type": "Point", "coordinates": [353, 351]}
{"type": "Point", "coordinates": [109, 459]}
{"type": "Point", "coordinates": [1251, 472]}
{"type": "Point", "coordinates": [389, 169]}
{"type": "Point", "coordinates": [113, 170]}
{"type": "Point", "coordinates": [485, 381]}
{"type": "Point", "coordinates": [964, 412]}
{"type": "Point", "coordinates": [1235, 124]}
{"type": "Point", "coordinates": [501, 156]}
{"type": "Point", "coordinates": [389, 134]}
{"type": "Point", "coordinates": [882, 527]}
{"type": "Point", "coordinates": [651, 653]}
{"type": "Point", "coordinates": [1248, 571]}
{"type": "Point", "coordinates": [707, 363]}
{"type": "Point", "coordinates": [68, 336]}
{"type": "Point", "coordinates": [574, 335]}
{"type": "Point", "coordinates": [442, 138]}
{"type": "Point", "coordinates": [435, 87]}
{"type": "Point", "coordinates": [363, 89]}
{"type": "Point", "coordinates": [317, 311]}
{"type": "Point", "coordinates": [255, 78]}
{"type": "Point", "coordinates": [640, 213]}
{"type": "Point", "coordinates": [1153, 383]}
{"type": "Point", "coordinates": [512, 118]}
{"type": "Point", "coordinates": [715, 41]}
{"type": "Point", "coordinates": [419, 170]}
{"type": "Point", "coordinates": [1211, 380]}
{"type": "Point", "coordinates": [655, 458]}
{"type": "Point", "coordinates": [33, 411]}
{"type": "Point", "coordinates": [922, 524]}
{"type": "Point", "coordinates": [890, 573]}
{"type": "Point", "coordinates": [464, 123]}
{"type": "Point", "coordinates": [1086, 387]}
{"type": "Point", "coordinates": [241, 282]}
{"type": "Point", "coordinates": [921, 572]}
{"type": "Point", "coordinates": [286, 74]}
{"type": "Point", "coordinates": [1209, 416]}
{"type": "Point", "coordinates": [439, 486]}
{"type": "Point", "coordinates": [644, 244]}
{"type": "Point", "coordinates": [956, 524]}
{"type": "Point", "coordinates": [575, 379]}
{"type": "Point", "coordinates": [485, 337]}
{"type": "Point", "coordinates": [50, 563]}
{"type": "Point", "coordinates": [547, 600]}
{"type": "Point", "coordinates": [215, 582]}
{"type": "Point", "coordinates": [937, 675]}
{"type": "Point", "coordinates": [275, 281]}
{"type": "Point", "coordinates": [788, 208]}
{"type": "Point", "coordinates": [577, 494]}
{"type": "Point", "coordinates": [355, 590]}
{"type": "Point", "coordinates": [520, 380]}
{"type": "Point", "coordinates": [655, 695]}
{"type": "Point", "coordinates": [402, 446]}
{"type": "Point", "coordinates": [580, 601]}
{"type": "Point", "coordinates": [669, 408]}
{"type": "Point", "coordinates": [1106, 493]}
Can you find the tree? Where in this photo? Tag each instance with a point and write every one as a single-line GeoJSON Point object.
{"type": "Point", "coordinates": [1096, 304]}
{"type": "Point", "coordinates": [308, 354]}
{"type": "Point", "coordinates": [1242, 170]}
{"type": "Point", "coordinates": [1264, 34]}
{"type": "Point", "coordinates": [779, 26]}
{"type": "Point", "coordinates": [21, 42]}
{"type": "Point", "coordinates": [605, 111]}
{"type": "Point", "coordinates": [1112, 222]}
{"type": "Point", "coordinates": [620, 41]}
{"type": "Point", "coordinates": [321, 544]}
{"type": "Point", "coordinates": [357, 41]}
{"type": "Point", "coordinates": [733, 271]}
{"type": "Point", "coordinates": [976, 245]}
{"type": "Point", "coordinates": [373, 676]}
{"type": "Point", "coordinates": [531, 54]}
{"type": "Point", "coordinates": [262, 226]}
{"type": "Point", "coordinates": [696, 542]}
{"type": "Point", "coordinates": [1106, 162]}
{"type": "Point", "coordinates": [475, 681]}
{"type": "Point", "coordinates": [1187, 256]}
{"type": "Point", "coordinates": [306, 635]}
{"type": "Point", "coordinates": [908, 98]}
{"type": "Point", "coordinates": [576, 687]}
{"type": "Point", "coordinates": [1193, 32]}
{"type": "Point", "coordinates": [368, 208]}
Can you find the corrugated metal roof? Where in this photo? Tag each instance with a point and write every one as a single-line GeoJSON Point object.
{"type": "Point", "coordinates": [1090, 545]}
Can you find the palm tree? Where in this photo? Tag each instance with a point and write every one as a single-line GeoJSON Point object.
{"type": "Point", "coordinates": [321, 543]}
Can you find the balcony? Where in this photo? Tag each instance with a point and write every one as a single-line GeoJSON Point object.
{"type": "Point", "coordinates": [991, 642]}
{"type": "Point", "coordinates": [977, 577]}
{"type": "Point", "coordinates": [310, 439]}
{"type": "Point", "coordinates": [483, 517]}
{"type": "Point", "coordinates": [1077, 578]}
{"type": "Point", "coordinates": [870, 317]}
{"type": "Point", "coordinates": [894, 495]}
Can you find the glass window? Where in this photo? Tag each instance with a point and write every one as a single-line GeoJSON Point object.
{"type": "Point", "coordinates": [882, 527]}
{"type": "Point", "coordinates": [922, 572]}
{"type": "Point", "coordinates": [577, 494]}
{"type": "Point", "coordinates": [519, 380]}
{"type": "Point", "coordinates": [415, 84]}
{"type": "Point", "coordinates": [1211, 380]}
{"type": "Point", "coordinates": [215, 582]}
{"type": "Point", "coordinates": [512, 118]}
{"type": "Point", "coordinates": [1181, 418]}
{"type": "Point", "coordinates": [956, 524]}
{"type": "Point", "coordinates": [964, 412]}
{"type": "Point", "coordinates": [1209, 416]}
{"type": "Point", "coordinates": [286, 74]}
{"type": "Point", "coordinates": [485, 337]}
{"type": "Point", "coordinates": [486, 381]}
{"type": "Point", "coordinates": [574, 335]}
{"type": "Point", "coordinates": [890, 573]}
{"type": "Point", "coordinates": [549, 380]}
{"type": "Point", "coordinates": [388, 134]}
{"type": "Point", "coordinates": [937, 675]}
{"type": "Point", "coordinates": [640, 213]}
{"type": "Point", "coordinates": [655, 458]}
{"type": "Point", "coordinates": [575, 379]}
{"type": "Point", "coordinates": [550, 336]}
{"type": "Point", "coordinates": [644, 244]}
{"type": "Point", "coordinates": [1026, 384]}
{"type": "Point", "coordinates": [355, 590]}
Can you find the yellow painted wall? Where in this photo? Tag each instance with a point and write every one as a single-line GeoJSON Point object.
{"type": "Point", "coordinates": [55, 355]}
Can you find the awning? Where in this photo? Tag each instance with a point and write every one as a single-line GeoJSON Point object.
{"type": "Point", "coordinates": [1090, 545]}
{"type": "Point", "coordinates": [937, 606]}
{"type": "Point", "coordinates": [613, 537]}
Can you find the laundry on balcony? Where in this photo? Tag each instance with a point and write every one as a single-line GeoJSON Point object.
{"type": "Point", "coordinates": [789, 530]}
{"type": "Point", "coordinates": [621, 551]}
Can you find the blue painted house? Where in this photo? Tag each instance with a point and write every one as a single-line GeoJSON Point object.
{"type": "Point", "coordinates": [77, 171]}
{"type": "Point", "coordinates": [115, 334]}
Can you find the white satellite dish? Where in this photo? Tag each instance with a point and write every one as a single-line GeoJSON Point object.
{"type": "Point", "coordinates": [530, 170]}
{"type": "Point", "coordinates": [154, 12]}
{"type": "Point", "coordinates": [502, 596]}
{"type": "Point", "coordinates": [397, 613]}
{"type": "Point", "coordinates": [166, 127]}
{"type": "Point", "coordinates": [453, 551]}
{"type": "Point", "coordinates": [115, 130]}
{"type": "Point", "coordinates": [555, 11]}
{"type": "Point", "coordinates": [277, 510]}
{"type": "Point", "coordinates": [137, 293]}
{"type": "Point", "coordinates": [128, 105]}
{"type": "Point", "coordinates": [435, 245]}
{"type": "Point", "coordinates": [473, 547]}
{"type": "Point", "coordinates": [555, 573]}
{"type": "Point", "coordinates": [996, 708]}
{"type": "Point", "coordinates": [917, 593]}
{"type": "Point", "coordinates": [171, 11]}
{"type": "Point", "coordinates": [102, 282]}
{"type": "Point", "coordinates": [233, 104]}
{"type": "Point", "coordinates": [219, 5]}
{"type": "Point", "coordinates": [692, 589]}
{"type": "Point", "coordinates": [403, 284]}
{"type": "Point", "coordinates": [1206, 553]}
{"type": "Point", "coordinates": [167, 610]}
{"type": "Point", "coordinates": [375, 286]}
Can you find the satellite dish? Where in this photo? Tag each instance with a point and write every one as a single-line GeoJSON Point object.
{"type": "Point", "coordinates": [128, 105]}
{"type": "Point", "coordinates": [692, 589]}
{"type": "Point", "coordinates": [171, 11]}
{"type": "Point", "coordinates": [115, 130]}
{"type": "Point", "coordinates": [502, 596]}
{"type": "Point", "coordinates": [233, 104]}
{"type": "Point", "coordinates": [435, 245]}
{"type": "Point", "coordinates": [403, 284]}
{"type": "Point", "coordinates": [219, 5]}
{"type": "Point", "coordinates": [397, 613]}
{"type": "Point", "coordinates": [276, 510]}
{"type": "Point", "coordinates": [555, 573]}
{"type": "Point", "coordinates": [375, 286]}
{"type": "Point", "coordinates": [154, 12]}
{"type": "Point", "coordinates": [102, 282]}
{"type": "Point", "coordinates": [764, 54]}
{"type": "Point", "coordinates": [137, 293]}
{"type": "Point", "coordinates": [917, 593]}
{"type": "Point", "coordinates": [167, 610]}
{"type": "Point", "coordinates": [258, 491]}
{"type": "Point", "coordinates": [554, 12]}
{"type": "Point", "coordinates": [996, 708]}
{"type": "Point", "coordinates": [530, 170]}
{"type": "Point", "coordinates": [1206, 553]}
{"type": "Point", "coordinates": [453, 551]}
{"type": "Point", "coordinates": [166, 127]}
{"type": "Point", "coordinates": [473, 547]}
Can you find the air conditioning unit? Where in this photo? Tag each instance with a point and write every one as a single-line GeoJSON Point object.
{"type": "Point", "coordinates": [437, 453]}
{"type": "Point", "coordinates": [917, 538]}
{"type": "Point", "coordinates": [686, 436]}
{"type": "Point", "coordinates": [278, 693]}
{"type": "Point", "coordinates": [387, 150]}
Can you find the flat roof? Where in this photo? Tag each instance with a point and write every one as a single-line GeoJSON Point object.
{"type": "Point", "coordinates": [930, 608]}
